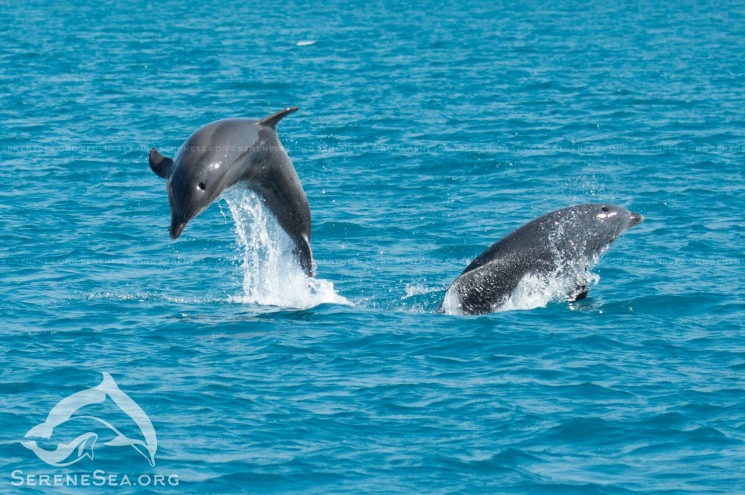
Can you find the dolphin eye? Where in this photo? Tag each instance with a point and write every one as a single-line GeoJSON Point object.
{"type": "Point", "coordinates": [604, 208]}
{"type": "Point", "coordinates": [201, 186]}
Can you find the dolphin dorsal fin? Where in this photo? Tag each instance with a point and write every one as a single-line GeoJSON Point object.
{"type": "Point", "coordinates": [274, 119]}
{"type": "Point", "coordinates": [160, 164]}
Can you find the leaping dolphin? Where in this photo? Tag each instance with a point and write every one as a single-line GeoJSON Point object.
{"type": "Point", "coordinates": [577, 235]}
{"type": "Point", "coordinates": [230, 151]}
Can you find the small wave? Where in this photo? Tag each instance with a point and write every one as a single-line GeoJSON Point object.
{"type": "Point", "coordinates": [272, 275]}
{"type": "Point", "coordinates": [413, 289]}
{"type": "Point", "coordinates": [139, 296]}
{"type": "Point", "coordinates": [419, 297]}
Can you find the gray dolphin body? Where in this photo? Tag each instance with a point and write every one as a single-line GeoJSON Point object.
{"type": "Point", "coordinates": [230, 151]}
{"type": "Point", "coordinates": [541, 247]}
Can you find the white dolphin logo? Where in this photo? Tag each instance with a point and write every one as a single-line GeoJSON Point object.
{"type": "Point", "coordinates": [66, 408]}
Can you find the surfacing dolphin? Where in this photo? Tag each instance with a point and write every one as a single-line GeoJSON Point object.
{"type": "Point", "coordinates": [230, 151]}
{"type": "Point", "coordinates": [566, 238]}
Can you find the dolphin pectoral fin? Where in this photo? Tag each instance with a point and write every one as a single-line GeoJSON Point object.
{"type": "Point", "coordinates": [274, 119]}
{"type": "Point", "coordinates": [160, 164]}
{"type": "Point", "coordinates": [579, 294]}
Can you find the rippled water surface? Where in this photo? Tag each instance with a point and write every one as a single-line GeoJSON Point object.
{"type": "Point", "coordinates": [426, 132]}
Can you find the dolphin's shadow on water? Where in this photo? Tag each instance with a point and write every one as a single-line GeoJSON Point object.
{"type": "Point", "coordinates": [548, 258]}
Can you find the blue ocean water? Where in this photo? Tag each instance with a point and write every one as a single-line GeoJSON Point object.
{"type": "Point", "coordinates": [426, 132]}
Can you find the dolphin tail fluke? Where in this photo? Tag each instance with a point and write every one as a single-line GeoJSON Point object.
{"type": "Point", "coordinates": [160, 164]}
{"type": "Point", "coordinates": [274, 119]}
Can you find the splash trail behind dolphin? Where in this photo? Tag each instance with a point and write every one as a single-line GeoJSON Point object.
{"type": "Point", "coordinates": [271, 273]}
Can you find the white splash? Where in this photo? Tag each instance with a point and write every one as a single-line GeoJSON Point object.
{"type": "Point", "coordinates": [451, 303]}
{"type": "Point", "coordinates": [537, 291]}
{"type": "Point", "coordinates": [306, 42]}
{"type": "Point", "coordinates": [413, 289]}
{"type": "Point", "coordinates": [272, 276]}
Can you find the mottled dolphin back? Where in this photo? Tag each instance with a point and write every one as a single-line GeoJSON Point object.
{"type": "Point", "coordinates": [581, 232]}
{"type": "Point", "coordinates": [230, 151]}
